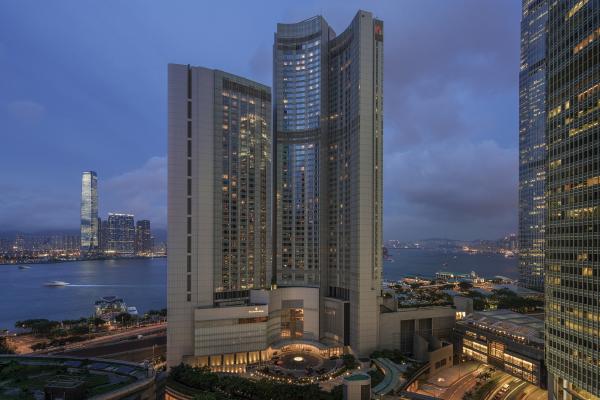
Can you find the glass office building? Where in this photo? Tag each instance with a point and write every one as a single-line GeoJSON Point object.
{"type": "Point", "coordinates": [144, 242]}
{"type": "Point", "coordinates": [89, 212]}
{"type": "Point", "coordinates": [532, 143]}
{"type": "Point", "coordinates": [573, 204]}
{"type": "Point", "coordinates": [121, 234]}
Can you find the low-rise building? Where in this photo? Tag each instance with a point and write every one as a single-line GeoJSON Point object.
{"type": "Point", "coordinates": [398, 327]}
{"type": "Point", "coordinates": [109, 307]}
{"type": "Point", "coordinates": [505, 339]}
{"type": "Point", "coordinates": [231, 337]}
{"type": "Point", "coordinates": [357, 387]}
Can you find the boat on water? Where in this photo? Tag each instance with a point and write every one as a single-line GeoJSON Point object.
{"type": "Point", "coordinates": [132, 310]}
{"type": "Point", "coordinates": [24, 267]}
{"type": "Point", "coordinates": [56, 284]}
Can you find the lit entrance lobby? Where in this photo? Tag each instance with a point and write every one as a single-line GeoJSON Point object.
{"type": "Point", "coordinates": [279, 328]}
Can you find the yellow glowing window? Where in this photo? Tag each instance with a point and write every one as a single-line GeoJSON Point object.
{"type": "Point", "coordinates": [593, 181]}
{"type": "Point", "coordinates": [587, 41]}
{"type": "Point", "coordinates": [555, 111]}
{"type": "Point", "coordinates": [578, 6]}
{"type": "Point", "coordinates": [576, 131]}
{"type": "Point", "coordinates": [582, 257]}
{"type": "Point", "coordinates": [588, 92]}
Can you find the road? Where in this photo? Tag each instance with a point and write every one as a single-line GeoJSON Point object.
{"type": "Point", "coordinates": [125, 349]}
{"type": "Point", "coordinates": [452, 383]}
{"type": "Point", "coordinates": [160, 328]}
{"type": "Point", "coordinates": [461, 386]}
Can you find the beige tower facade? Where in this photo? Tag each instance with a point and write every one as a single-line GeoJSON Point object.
{"type": "Point", "coordinates": [219, 196]}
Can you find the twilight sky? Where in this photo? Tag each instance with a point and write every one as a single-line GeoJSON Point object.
{"type": "Point", "coordinates": [83, 86]}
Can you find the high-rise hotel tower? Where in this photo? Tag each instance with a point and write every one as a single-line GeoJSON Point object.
{"type": "Point", "coordinates": [532, 143]}
{"type": "Point", "coordinates": [328, 102]}
{"type": "Point", "coordinates": [573, 188]}
{"type": "Point", "coordinates": [219, 197]}
{"type": "Point", "coordinates": [267, 256]}
{"type": "Point", "coordinates": [89, 212]}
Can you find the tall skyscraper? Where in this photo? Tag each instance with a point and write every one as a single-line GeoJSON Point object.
{"type": "Point", "coordinates": [573, 189]}
{"type": "Point", "coordinates": [238, 293]}
{"type": "Point", "coordinates": [143, 237]}
{"type": "Point", "coordinates": [103, 234]}
{"type": "Point", "coordinates": [328, 153]}
{"type": "Point", "coordinates": [121, 234]}
{"type": "Point", "coordinates": [219, 200]}
{"type": "Point", "coordinates": [89, 212]}
{"type": "Point", "coordinates": [532, 143]}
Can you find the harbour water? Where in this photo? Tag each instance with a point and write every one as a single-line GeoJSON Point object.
{"type": "Point", "coordinates": [425, 263]}
{"type": "Point", "coordinates": [142, 282]}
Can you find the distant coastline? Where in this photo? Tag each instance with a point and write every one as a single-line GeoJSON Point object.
{"type": "Point", "coordinates": [58, 261]}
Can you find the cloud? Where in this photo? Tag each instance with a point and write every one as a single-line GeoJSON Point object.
{"type": "Point", "coordinates": [38, 208]}
{"type": "Point", "coordinates": [141, 191]}
{"type": "Point", "coordinates": [444, 62]}
{"type": "Point", "coordinates": [260, 64]}
{"type": "Point", "coordinates": [26, 110]}
{"type": "Point", "coordinates": [467, 189]}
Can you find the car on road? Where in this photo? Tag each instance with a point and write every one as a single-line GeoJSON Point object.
{"type": "Point", "coordinates": [500, 393]}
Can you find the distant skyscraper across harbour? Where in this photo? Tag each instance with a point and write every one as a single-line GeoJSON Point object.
{"type": "Point", "coordinates": [103, 234]}
{"type": "Point", "coordinates": [89, 212]}
{"type": "Point", "coordinates": [121, 234]}
{"type": "Point", "coordinates": [573, 187]}
{"type": "Point", "coordinates": [143, 237]}
{"type": "Point", "coordinates": [532, 143]}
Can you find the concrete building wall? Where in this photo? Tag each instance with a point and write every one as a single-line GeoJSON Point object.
{"type": "Point", "coordinates": [307, 297]}
{"type": "Point", "coordinates": [180, 339]}
{"type": "Point", "coordinates": [198, 218]}
{"type": "Point", "coordinates": [230, 329]}
{"type": "Point", "coordinates": [369, 178]}
{"type": "Point", "coordinates": [395, 328]}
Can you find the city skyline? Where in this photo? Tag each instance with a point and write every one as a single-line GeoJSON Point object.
{"type": "Point", "coordinates": [136, 180]}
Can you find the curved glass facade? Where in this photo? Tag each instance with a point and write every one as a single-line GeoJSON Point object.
{"type": "Point", "coordinates": [328, 175]}
{"type": "Point", "coordinates": [532, 143]}
{"type": "Point", "coordinates": [299, 63]}
{"type": "Point", "coordinates": [301, 84]}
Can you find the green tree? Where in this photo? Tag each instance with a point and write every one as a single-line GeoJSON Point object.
{"type": "Point", "coordinates": [205, 396]}
{"type": "Point", "coordinates": [349, 361]}
{"type": "Point", "coordinates": [124, 318]}
{"type": "Point", "coordinates": [5, 347]}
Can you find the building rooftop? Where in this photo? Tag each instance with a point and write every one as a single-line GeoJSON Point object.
{"type": "Point", "coordinates": [519, 327]}
{"type": "Point", "coordinates": [358, 377]}
{"type": "Point", "coordinates": [520, 291]}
